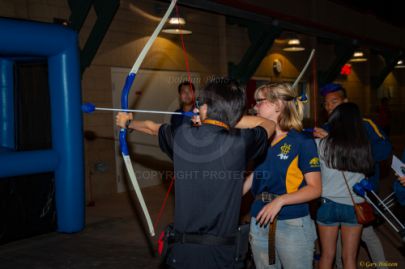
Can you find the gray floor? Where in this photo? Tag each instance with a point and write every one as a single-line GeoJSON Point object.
{"type": "Point", "coordinates": [115, 238]}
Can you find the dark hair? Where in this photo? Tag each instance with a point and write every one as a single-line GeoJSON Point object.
{"type": "Point", "coordinates": [225, 99]}
{"type": "Point", "coordinates": [186, 83]}
{"type": "Point", "coordinates": [333, 87]}
{"type": "Point", "coordinates": [347, 147]}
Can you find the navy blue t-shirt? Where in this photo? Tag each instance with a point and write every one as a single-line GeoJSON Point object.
{"type": "Point", "coordinates": [282, 171]}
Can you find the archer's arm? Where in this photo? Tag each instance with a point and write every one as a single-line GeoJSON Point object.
{"type": "Point", "coordinates": [254, 121]}
{"type": "Point", "coordinates": [147, 126]}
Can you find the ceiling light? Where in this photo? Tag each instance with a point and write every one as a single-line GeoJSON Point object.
{"type": "Point", "coordinates": [358, 60]}
{"type": "Point", "coordinates": [177, 21]}
{"type": "Point", "coordinates": [177, 31]}
{"type": "Point", "coordinates": [400, 64]}
{"type": "Point", "coordinates": [294, 49]}
{"type": "Point", "coordinates": [294, 41]}
{"type": "Point", "coordinates": [358, 56]}
{"type": "Point", "coordinates": [294, 44]}
{"type": "Point", "coordinates": [176, 28]}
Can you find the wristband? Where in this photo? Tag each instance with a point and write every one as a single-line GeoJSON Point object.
{"type": "Point", "coordinates": [127, 126]}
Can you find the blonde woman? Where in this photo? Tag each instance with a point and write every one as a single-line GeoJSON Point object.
{"type": "Point", "coordinates": [282, 183]}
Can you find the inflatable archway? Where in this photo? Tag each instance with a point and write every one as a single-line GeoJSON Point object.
{"type": "Point", "coordinates": [22, 40]}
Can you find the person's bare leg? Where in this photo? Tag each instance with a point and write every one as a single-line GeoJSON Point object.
{"type": "Point", "coordinates": [327, 236]}
{"type": "Point", "coordinates": [350, 244]}
{"type": "Point", "coordinates": [338, 258]}
{"type": "Point", "coordinates": [374, 246]}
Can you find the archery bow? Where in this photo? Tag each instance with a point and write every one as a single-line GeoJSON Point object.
{"type": "Point", "coordinates": [124, 105]}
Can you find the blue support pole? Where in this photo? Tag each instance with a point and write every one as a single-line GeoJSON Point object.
{"type": "Point", "coordinates": [67, 137]}
{"type": "Point", "coordinates": [7, 135]}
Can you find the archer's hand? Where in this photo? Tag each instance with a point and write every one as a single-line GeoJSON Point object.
{"type": "Point", "coordinates": [122, 118]}
{"type": "Point", "coordinates": [402, 180]}
{"type": "Point", "coordinates": [269, 211]}
{"type": "Point", "coordinates": [319, 132]}
{"type": "Point", "coordinates": [196, 118]}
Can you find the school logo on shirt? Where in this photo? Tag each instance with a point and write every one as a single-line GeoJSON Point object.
{"type": "Point", "coordinates": [285, 149]}
{"type": "Point", "coordinates": [314, 162]}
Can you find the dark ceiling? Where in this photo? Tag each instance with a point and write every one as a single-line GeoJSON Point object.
{"type": "Point", "coordinates": [389, 11]}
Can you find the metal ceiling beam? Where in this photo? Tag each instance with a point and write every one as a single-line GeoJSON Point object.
{"type": "Point", "coordinates": [343, 52]}
{"type": "Point", "coordinates": [261, 38]}
{"type": "Point", "coordinates": [244, 10]}
{"type": "Point", "coordinates": [105, 11]}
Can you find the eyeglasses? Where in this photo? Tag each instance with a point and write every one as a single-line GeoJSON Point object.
{"type": "Point", "coordinates": [260, 100]}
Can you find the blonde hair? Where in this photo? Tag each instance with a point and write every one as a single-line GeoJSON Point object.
{"type": "Point", "coordinates": [292, 111]}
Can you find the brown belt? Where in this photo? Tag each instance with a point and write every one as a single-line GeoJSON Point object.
{"type": "Point", "coordinates": [267, 198]}
{"type": "Point", "coordinates": [272, 242]}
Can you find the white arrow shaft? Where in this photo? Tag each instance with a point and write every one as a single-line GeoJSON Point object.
{"type": "Point", "coordinates": [138, 111]}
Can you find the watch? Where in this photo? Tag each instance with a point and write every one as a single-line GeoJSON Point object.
{"type": "Point", "coordinates": [127, 126]}
{"type": "Point", "coordinates": [127, 123]}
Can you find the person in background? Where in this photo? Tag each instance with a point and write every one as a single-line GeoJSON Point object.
{"type": "Point", "coordinates": [186, 91]}
{"type": "Point", "coordinates": [344, 162]}
{"type": "Point", "coordinates": [335, 94]}
{"type": "Point", "coordinates": [283, 183]}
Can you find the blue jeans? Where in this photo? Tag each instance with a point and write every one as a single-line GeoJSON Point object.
{"type": "Point", "coordinates": [331, 213]}
{"type": "Point", "coordinates": [295, 244]}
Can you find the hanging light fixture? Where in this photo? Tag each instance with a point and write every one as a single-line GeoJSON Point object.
{"type": "Point", "coordinates": [175, 26]}
{"type": "Point", "coordinates": [358, 56]}
{"type": "Point", "coordinates": [294, 44]}
{"type": "Point", "coordinates": [400, 64]}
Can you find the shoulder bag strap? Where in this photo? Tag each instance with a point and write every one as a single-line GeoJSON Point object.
{"type": "Point", "coordinates": [348, 188]}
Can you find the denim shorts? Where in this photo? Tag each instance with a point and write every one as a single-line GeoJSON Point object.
{"type": "Point", "coordinates": [331, 213]}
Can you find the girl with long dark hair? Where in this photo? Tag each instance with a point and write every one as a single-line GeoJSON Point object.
{"type": "Point", "coordinates": [345, 155]}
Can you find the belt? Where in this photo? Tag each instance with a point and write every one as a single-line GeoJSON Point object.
{"type": "Point", "coordinates": [272, 242]}
{"type": "Point", "coordinates": [266, 197]}
{"type": "Point", "coordinates": [204, 239]}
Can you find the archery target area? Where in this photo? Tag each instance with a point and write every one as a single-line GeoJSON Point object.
{"type": "Point", "coordinates": [65, 188]}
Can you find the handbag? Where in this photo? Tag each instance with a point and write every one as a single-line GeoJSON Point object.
{"type": "Point", "coordinates": [364, 211]}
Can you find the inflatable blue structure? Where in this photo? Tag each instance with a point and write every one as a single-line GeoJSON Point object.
{"type": "Point", "coordinates": [22, 40]}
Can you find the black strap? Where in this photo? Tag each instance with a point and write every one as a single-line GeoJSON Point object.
{"type": "Point", "coordinates": [204, 239]}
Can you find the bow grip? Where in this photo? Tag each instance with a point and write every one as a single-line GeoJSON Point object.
{"type": "Point", "coordinates": [124, 105]}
